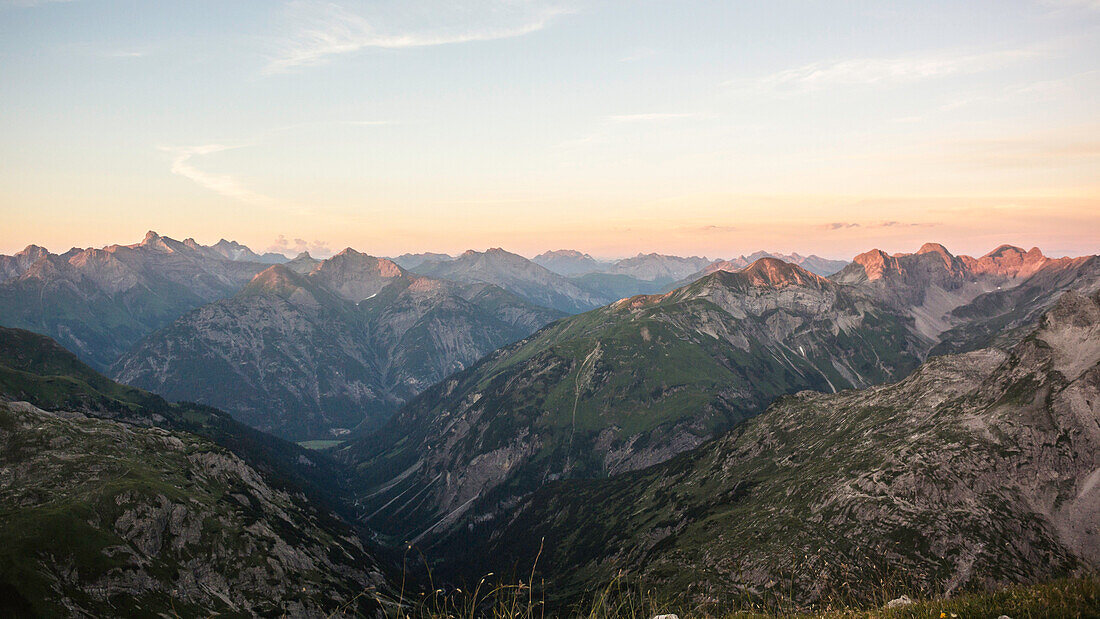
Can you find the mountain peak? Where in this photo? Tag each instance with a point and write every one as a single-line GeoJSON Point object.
{"type": "Point", "coordinates": [229, 245]}
{"type": "Point", "coordinates": [774, 273]}
{"type": "Point", "coordinates": [563, 253]}
{"type": "Point", "coordinates": [1010, 261]}
{"type": "Point", "coordinates": [935, 248]}
{"type": "Point", "coordinates": [150, 237]}
{"type": "Point", "coordinates": [355, 276]}
{"type": "Point", "coordinates": [277, 280]}
{"type": "Point", "coordinates": [1007, 250]}
{"type": "Point", "coordinates": [492, 252]}
{"type": "Point", "coordinates": [33, 252]}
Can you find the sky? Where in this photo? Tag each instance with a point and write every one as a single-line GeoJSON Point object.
{"type": "Point", "coordinates": [690, 127]}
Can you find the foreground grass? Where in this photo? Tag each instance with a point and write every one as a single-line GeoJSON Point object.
{"type": "Point", "coordinates": [1075, 597]}
{"type": "Point", "coordinates": [1066, 598]}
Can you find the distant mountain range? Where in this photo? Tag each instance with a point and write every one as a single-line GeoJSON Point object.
{"type": "Point", "coordinates": [645, 378]}
{"type": "Point", "coordinates": [316, 347]}
{"type": "Point", "coordinates": [411, 261]}
{"type": "Point", "coordinates": [570, 262]}
{"type": "Point", "coordinates": [714, 431]}
{"type": "Point", "coordinates": [813, 264]}
{"type": "Point", "coordinates": [517, 275]}
{"type": "Point", "coordinates": [341, 346]}
{"type": "Point", "coordinates": [100, 302]}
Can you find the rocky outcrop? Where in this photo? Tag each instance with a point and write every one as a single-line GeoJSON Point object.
{"type": "Point", "coordinates": [116, 502]}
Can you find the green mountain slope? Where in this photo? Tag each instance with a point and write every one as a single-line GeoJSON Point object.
{"type": "Point", "coordinates": [977, 470]}
{"type": "Point", "coordinates": [114, 502]}
{"type": "Point", "coordinates": [618, 389]}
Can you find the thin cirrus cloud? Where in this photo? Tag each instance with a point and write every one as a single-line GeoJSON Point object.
{"type": "Point", "coordinates": [319, 31]}
{"type": "Point", "coordinates": [845, 225]}
{"type": "Point", "coordinates": [222, 184]}
{"type": "Point", "coordinates": [29, 3]}
{"type": "Point", "coordinates": [888, 70]}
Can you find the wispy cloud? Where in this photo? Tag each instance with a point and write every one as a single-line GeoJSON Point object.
{"type": "Point", "coordinates": [322, 30]}
{"type": "Point", "coordinates": [888, 70]}
{"type": "Point", "coordinates": [713, 229]}
{"type": "Point", "coordinates": [845, 225]}
{"type": "Point", "coordinates": [29, 3]}
{"type": "Point", "coordinates": [223, 184]}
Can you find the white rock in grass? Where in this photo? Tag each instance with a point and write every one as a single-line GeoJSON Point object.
{"type": "Point", "coordinates": [899, 602]}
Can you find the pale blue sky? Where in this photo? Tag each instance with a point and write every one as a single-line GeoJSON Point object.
{"type": "Point", "coordinates": [614, 127]}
